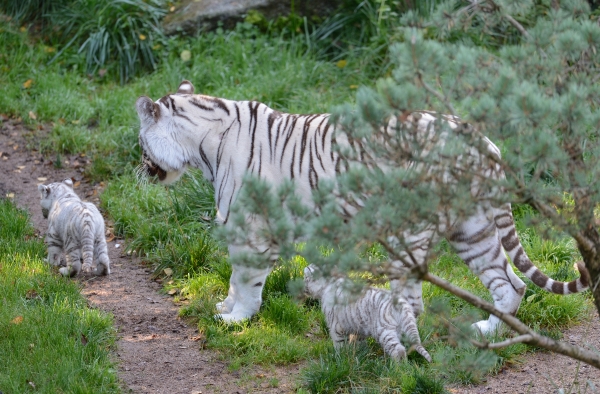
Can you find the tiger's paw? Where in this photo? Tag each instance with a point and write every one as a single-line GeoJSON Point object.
{"type": "Point", "coordinates": [486, 327]}
{"type": "Point", "coordinates": [101, 270]}
{"type": "Point", "coordinates": [66, 271]}
{"type": "Point", "coordinates": [87, 268]}
{"type": "Point", "coordinates": [233, 317]}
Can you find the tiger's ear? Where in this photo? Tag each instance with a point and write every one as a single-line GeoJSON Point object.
{"type": "Point", "coordinates": [147, 109]}
{"type": "Point", "coordinates": [68, 182]}
{"type": "Point", "coordinates": [44, 190]}
{"type": "Point", "coordinates": [185, 87]}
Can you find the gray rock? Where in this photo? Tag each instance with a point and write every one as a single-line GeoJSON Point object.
{"type": "Point", "coordinates": [192, 16]}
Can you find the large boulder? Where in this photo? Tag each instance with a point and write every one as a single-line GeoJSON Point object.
{"type": "Point", "coordinates": [192, 16]}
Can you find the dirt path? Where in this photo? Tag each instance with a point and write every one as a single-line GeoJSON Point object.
{"type": "Point", "coordinates": [159, 353]}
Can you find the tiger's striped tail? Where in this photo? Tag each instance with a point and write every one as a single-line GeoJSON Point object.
{"type": "Point", "coordinates": [511, 244]}
{"type": "Point", "coordinates": [87, 243]}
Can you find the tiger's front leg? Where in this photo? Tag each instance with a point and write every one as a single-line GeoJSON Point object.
{"type": "Point", "coordinates": [54, 253]}
{"type": "Point", "coordinates": [245, 293]}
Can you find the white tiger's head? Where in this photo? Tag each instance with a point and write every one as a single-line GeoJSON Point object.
{"type": "Point", "coordinates": [49, 193]}
{"type": "Point", "coordinates": [163, 155]}
{"type": "Point", "coordinates": [314, 287]}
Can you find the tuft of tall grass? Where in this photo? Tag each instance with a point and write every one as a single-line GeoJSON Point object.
{"type": "Point", "coordinates": [126, 33]}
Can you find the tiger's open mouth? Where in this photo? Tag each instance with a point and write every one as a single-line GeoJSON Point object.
{"type": "Point", "coordinates": [152, 169]}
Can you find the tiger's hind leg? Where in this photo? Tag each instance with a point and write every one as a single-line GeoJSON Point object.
{"type": "Point", "coordinates": [101, 256]}
{"type": "Point", "coordinates": [73, 267]}
{"type": "Point", "coordinates": [478, 243]}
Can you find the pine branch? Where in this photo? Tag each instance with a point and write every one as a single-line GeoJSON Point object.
{"type": "Point", "coordinates": [575, 352]}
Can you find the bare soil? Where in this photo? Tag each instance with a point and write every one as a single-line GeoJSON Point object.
{"type": "Point", "coordinates": [157, 352]}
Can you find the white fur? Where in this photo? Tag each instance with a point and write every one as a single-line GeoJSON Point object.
{"type": "Point", "coordinates": [227, 139]}
{"type": "Point", "coordinates": [75, 228]}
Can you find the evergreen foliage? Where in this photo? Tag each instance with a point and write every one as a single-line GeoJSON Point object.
{"type": "Point", "coordinates": [533, 92]}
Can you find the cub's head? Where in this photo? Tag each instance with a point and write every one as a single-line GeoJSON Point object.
{"type": "Point", "coordinates": [161, 137]}
{"type": "Point", "coordinates": [49, 193]}
{"type": "Point", "coordinates": [314, 283]}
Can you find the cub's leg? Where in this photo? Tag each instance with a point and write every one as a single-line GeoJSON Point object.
{"type": "Point", "coordinates": [73, 264]}
{"type": "Point", "coordinates": [413, 251]}
{"type": "Point", "coordinates": [389, 340]}
{"type": "Point", "coordinates": [101, 255]}
{"type": "Point", "coordinates": [245, 293]}
{"type": "Point", "coordinates": [478, 243]}
{"type": "Point", "coordinates": [55, 249]}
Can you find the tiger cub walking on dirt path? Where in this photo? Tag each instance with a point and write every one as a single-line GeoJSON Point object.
{"type": "Point", "coordinates": [75, 228]}
{"type": "Point", "coordinates": [372, 314]}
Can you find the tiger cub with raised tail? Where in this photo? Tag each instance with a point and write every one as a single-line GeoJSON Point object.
{"type": "Point", "coordinates": [372, 314]}
{"type": "Point", "coordinates": [76, 228]}
{"type": "Point", "coordinates": [229, 139]}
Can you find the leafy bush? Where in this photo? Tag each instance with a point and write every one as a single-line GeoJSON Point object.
{"type": "Point", "coordinates": [127, 32]}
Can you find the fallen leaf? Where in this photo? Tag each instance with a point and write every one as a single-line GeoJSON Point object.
{"type": "Point", "coordinates": [173, 291]}
{"type": "Point", "coordinates": [110, 238]}
{"type": "Point", "coordinates": [15, 147]}
{"type": "Point", "coordinates": [76, 121]}
{"type": "Point", "coordinates": [42, 179]}
{"type": "Point", "coordinates": [353, 86]}
{"type": "Point", "coordinates": [31, 384]}
{"type": "Point", "coordinates": [31, 294]}
{"type": "Point", "coordinates": [168, 271]}
{"type": "Point", "coordinates": [32, 115]}
{"type": "Point", "coordinates": [17, 320]}
{"type": "Point", "coordinates": [199, 337]}
{"type": "Point", "coordinates": [50, 49]}
{"type": "Point", "coordinates": [172, 8]}
{"type": "Point", "coordinates": [142, 37]}
{"type": "Point", "coordinates": [10, 195]}
{"type": "Point", "coordinates": [21, 167]}
{"type": "Point", "coordinates": [84, 340]}
{"type": "Point", "coordinates": [27, 84]}
{"type": "Point", "coordinates": [341, 63]}
{"type": "Point", "coordinates": [260, 375]}
{"type": "Point", "coordinates": [77, 183]}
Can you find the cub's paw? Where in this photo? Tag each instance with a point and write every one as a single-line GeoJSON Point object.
{"type": "Point", "coordinates": [101, 269]}
{"type": "Point", "coordinates": [87, 268]}
{"type": "Point", "coordinates": [65, 271]}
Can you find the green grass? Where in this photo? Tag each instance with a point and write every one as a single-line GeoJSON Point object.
{"type": "Point", "coordinates": [171, 228]}
{"type": "Point", "coordinates": [50, 340]}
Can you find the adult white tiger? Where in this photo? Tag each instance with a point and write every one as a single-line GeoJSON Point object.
{"type": "Point", "coordinates": [228, 139]}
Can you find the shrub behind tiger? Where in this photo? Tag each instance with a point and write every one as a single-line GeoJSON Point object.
{"type": "Point", "coordinates": [76, 228]}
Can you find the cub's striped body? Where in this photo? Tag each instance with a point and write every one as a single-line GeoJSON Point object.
{"type": "Point", "coordinates": [75, 228]}
{"type": "Point", "coordinates": [372, 314]}
{"type": "Point", "coordinates": [228, 139]}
